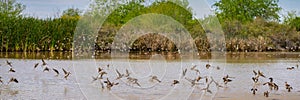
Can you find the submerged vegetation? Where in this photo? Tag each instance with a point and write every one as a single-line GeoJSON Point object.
{"type": "Point", "coordinates": [249, 26]}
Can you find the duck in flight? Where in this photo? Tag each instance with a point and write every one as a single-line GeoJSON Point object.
{"type": "Point", "coordinates": [266, 94]}
{"type": "Point", "coordinates": [13, 80]}
{"type": "Point", "coordinates": [11, 70]}
{"type": "Point", "coordinates": [271, 84]}
{"type": "Point", "coordinates": [67, 74]}
{"type": "Point", "coordinates": [9, 63]}
{"type": "Point", "coordinates": [35, 65]}
{"type": "Point", "coordinates": [109, 84]}
{"type": "Point", "coordinates": [56, 71]}
{"type": "Point", "coordinates": [254, 90]}
{"type": "Point", "coordinates": [175, 82]}
{"type": "Point", "coordinates": [288, 87]}
{"type": "Point", "coordinates": [43, 62]}
{"type": "Point", "coordinates": [119, 75]}
{"type": "Point", "coordinates": [154, 78]}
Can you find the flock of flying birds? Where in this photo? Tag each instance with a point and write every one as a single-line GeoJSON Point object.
{"type": "Point", "coordinates": [43, 65]}
{"type": "Point", "coordinates": [106, 83]}
{"type": "Point", "coordinates": [272, 85]}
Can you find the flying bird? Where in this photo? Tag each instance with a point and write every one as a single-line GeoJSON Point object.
{"type": "Point", "coordinates": [35, 65]}
{"type": "Point", "coordinates": [67, 74]}
{"type": "Point", "coordinates": [56, 71]}
{"type": "Point", "coordinates": [13, 80]}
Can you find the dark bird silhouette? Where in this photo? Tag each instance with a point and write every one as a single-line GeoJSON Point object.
{"type": "Point", "coordinates": [175, 82]}
{"type": "Point", "coordinates": [67, 74]}
{"type": "Point", "coordinates": [43, 62]}
{"type": "Point", "coordinates": [288, 87]}
{"type": "Point", "coordinates": [266, 94]}
{"type": "Point", "coordinates": [109, 84]}
{"type": "Point", "coordinates": [290, 68]}
{"type": "Point", "coordinates": [35, 65]}
{"type": "Point", "coordinates": [207, 66]}
{"type": "Point", "coordinates": [13, 80]}
{"type": "Point", "coordinates": [9, 63]}
{"type": "Point", "coordinates": [255, 73]}
{"type": "Point", "coordinates": [100, 76]}
{"type": "Point", "coordinates": [226, 79]}
{"type": "Point", "coordinates": [56, 71]}
{"type": "Point", "coordinates": [261, 74]}
{"type": "Point", "coordinates": [255, 79]}
{"type": "Point", "coordinates": [46, 69]}
{"type": "Point", "coordinates": [100, 69]}
{"type": "Point", "coordinates": [254, 91]}
{"type": "Point", "coordinates": [11, 70]}
{"type": "Point", "coordinates": [271, 84]}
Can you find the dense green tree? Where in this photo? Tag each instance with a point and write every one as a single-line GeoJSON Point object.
{"type": "Point", "coordinates": [11, 8]}
{"type": "Point", "coordinates": [247, 10]}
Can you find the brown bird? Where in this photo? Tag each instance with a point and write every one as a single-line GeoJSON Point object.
{"type": "Point", "coordinates": [11, 70]}
{"type": "Point", "coordinates": [109, 84]}
{"type": "Point", "coordinates": [133, 81]}
{"type": "Point", "coordinates": [194, 68]}
{"type": "Point", "coordinates": [155, 78]}
{"type": "Point", "coordinates": [8, 63]}
{"type": "Point", "coordinates": [175, 82]}
{"type": "Point", "coordinates": [226, 79]}
{"type": "Point", "coordinates": [207, 66]}
{"type": "Point", "coordinates": [255, 79]}
{"type": "Point", "coordinates": [67, 74]}
{"type": "Point", "coordinates": [261, 74]}
{"type": "Point", "coordinates": [290, 68]}
{"type": "Point", "coordinates": [119, 75]}
{"type": "Point", "coordinates": [288, 87]}
{"type": "Point", "coordinates": [100, 76]}
{"type": "Point", "coordinates": [46, 69]}
{"type": "Point", "coordinates": [127, 73]}
{"type": "Point", "coordinates": [254, 91]}
{"type": "Point", "coordinates": [99, 69]}
{"type": "Point", "coordinates": [56, 71]}
{"type": "Point", "coordinates": [35, 65]}
{"type": "Point", "coordinates": [13, 80]}
{"type": "Point", "coordinates": [271, 84]}
{"type": "Point", "coordinates": [266, 94]}
{"type": "Point", "coordinates": [44, 63]}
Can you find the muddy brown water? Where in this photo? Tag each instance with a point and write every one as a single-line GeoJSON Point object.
{"type": "Point", "coordinates": [36, 84]}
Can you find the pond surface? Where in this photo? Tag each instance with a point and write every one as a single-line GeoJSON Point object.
{"type": "Point", "coordinates": [36, 84]}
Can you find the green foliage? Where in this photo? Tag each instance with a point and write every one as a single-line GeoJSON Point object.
{"type": "Point", "coordinates": [11, 8]}
{"type": "Point", "coordinates": [247, 10]}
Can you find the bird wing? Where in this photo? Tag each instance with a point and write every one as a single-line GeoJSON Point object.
{"type": "Point", "coordinates": [56, 71]}
{"type": "Point", "coordinates": [64, 71]}
{"type": "Point", "coordinates": [255, 73]}
{"type": "Point", "coordinates": [119, 74]}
